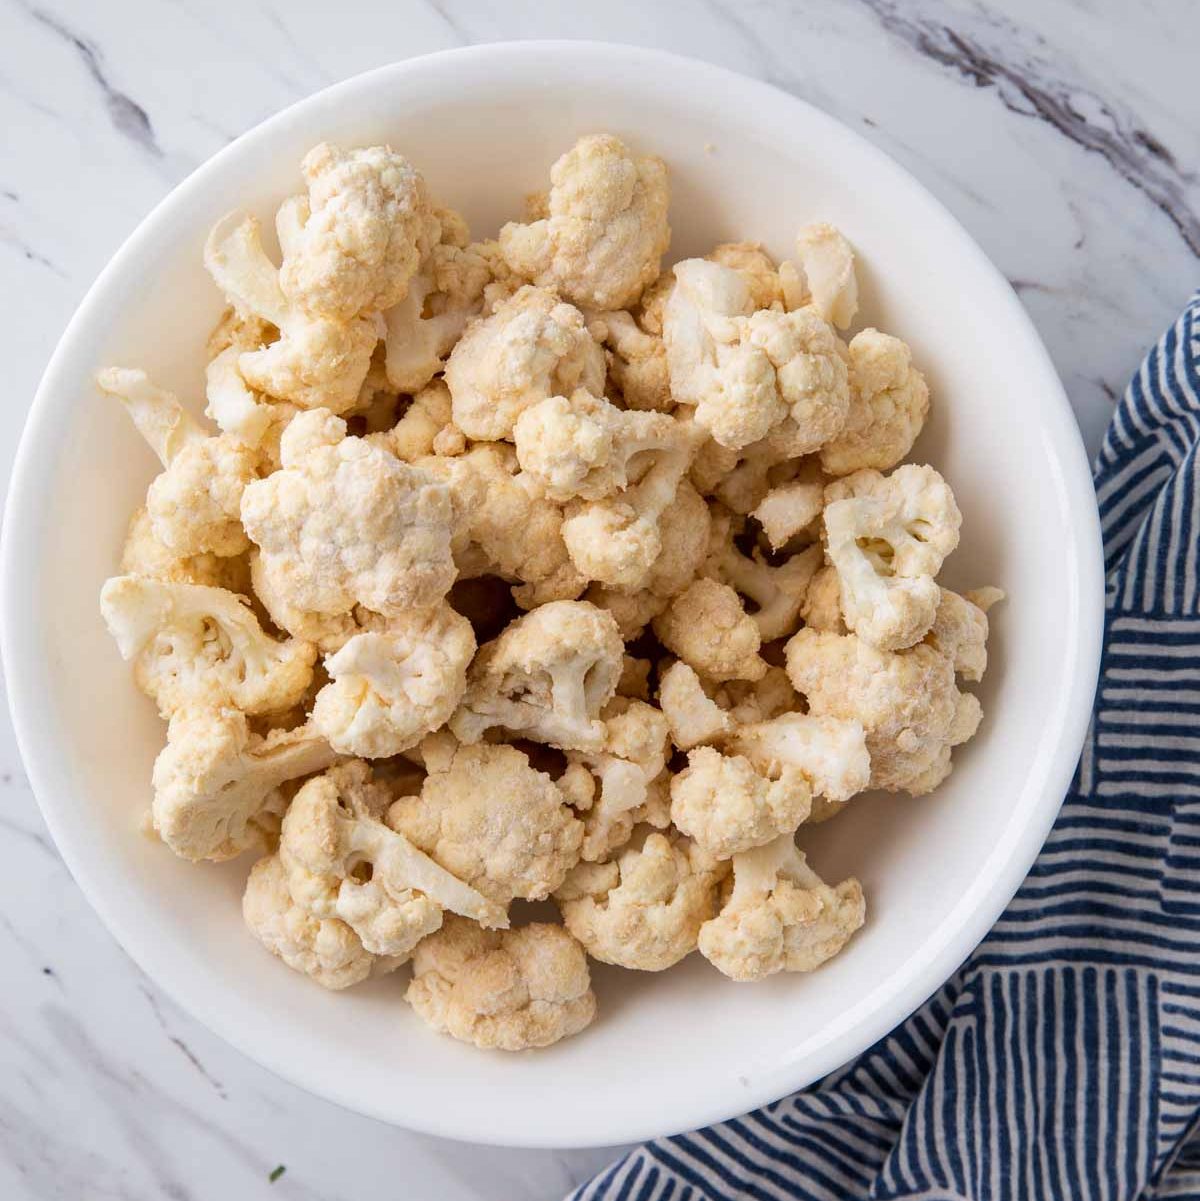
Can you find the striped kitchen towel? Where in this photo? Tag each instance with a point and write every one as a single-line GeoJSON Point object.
{"type": "Point", "coordinates": [1062, 1063]}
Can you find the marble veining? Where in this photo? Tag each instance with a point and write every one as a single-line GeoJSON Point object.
{"type": "Point", "coordinates": [1065, 136]}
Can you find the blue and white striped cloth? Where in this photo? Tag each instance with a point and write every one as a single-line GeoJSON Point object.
{"type": "Point", "coordinates": [1062, 1063]}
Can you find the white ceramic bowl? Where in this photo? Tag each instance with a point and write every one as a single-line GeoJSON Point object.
{"type": "Point", "coordinates": [669, 1051]}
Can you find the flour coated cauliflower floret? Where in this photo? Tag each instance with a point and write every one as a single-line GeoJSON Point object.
{"type": "Point", "coordinates": [426, 427]}
{"type": "Point", "coordinates": [345, 522]}
{"type": "Point", "coordinates": [822, 275]}
{"type": "Point", "coordinates": [145, 555]}
{"type": "Point", "coordinates": [750, 701]}
{"type": "Point", "coordinates": [887, 537]}
{"type": "Point", "coordinates": [343, 861]}
{"type": "Point", "coordinates": [317, 361]}
{"type": "Point", "coordinates": [755, 266]}
{"type": "Point", "coordinates": [189, 643]}
{"type": "Point", "coordinates": [214, 777]}
{"type": "Point", "coordinates": [632, 611]}
{"type": "Point", "coordinates": [194, 503]}
{"type": "Point", "coordinates": [237, 409]}
{"type": "Point", "coordinates": [587, 448]}
{"type": "Point", "coordinates": [907, 702]}
{"type": "Point", "coordinates": [635, 678]}
{"type": "Point", "coordinates": [781, 916]}
{"type": "Point", "coordinates": [706, 626]}
{"type": "Point", "coordinates": [789, 510]}
{"type": "Point", "coordinates": [960, 630]}
{"type": "Point", "coordinates": [762, 466]}
{"type": "Point", "coordinates": [390, 688]}
{"type": "Point", "coordinates": [354, 242]}
{"type": "Point", "coordinates": [605, 230]}
{"type": "Point", "coordinates": [509, 990]}
{"type": "Point", "coordinates": [637, 362]}
{"type": "Point", "coordinates": [495, 822]}
{"type": "Point", "coordinates": [694, 717]}
{"type": "Point", "coordinates": [531, 347]}
{"type": "Point", "coordinates": [889, 401]}
{"type": "Point", "coordinates": [643, 909]}
{"type": "Point", "coordinates": [546, 677]}
{"type": "Point", "coordinates": [728, 806]}
{"type": "Point", "coordinates": [711, 464]}
{"type": "Point", "coordinates": [324, 949]}
{"type": "Point", "coordinates": [822, 608]}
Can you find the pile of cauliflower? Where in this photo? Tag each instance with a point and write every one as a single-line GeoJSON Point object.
{"type": "Point", "coordinates": [523, 569]}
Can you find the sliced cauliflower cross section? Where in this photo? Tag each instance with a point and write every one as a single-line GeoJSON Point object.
{"type": "Point", "coordinates": [781, 916]}
{"type": "Point", "coordinates": [546, 676]}
{"type": "Point", "coordinates": [390, 688]}
{"type": "Point", "coordinates": [495, 822]}
{"type": "Point", "coordinates": [605, 230]}
{"type": "Point", "coordinates": [887, 537]}
{"type": "Point", "coordinates": [508, 990]}
{"type": "Point", "coordinates": [344, 523]}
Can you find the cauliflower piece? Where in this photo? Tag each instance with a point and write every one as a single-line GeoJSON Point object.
{"type": "Point", "coordinates": [960, 630]}
{"type": "Point", "coordinates": [887, 537]}
{"type": "Point", "coordinates": [789, 510]}
{"type": "Point", "coordinates": [514, 990]}
{"type": "Point", "coordinates": [632, 611]}
{"type": "Point", "coordinates": [506, 526]}
{"type": "Point", "coordinates": [587, 448]}
{"type": "Point", "coordinates": [495, 822]}
{"type": "Point", "coordinates": [343, 861]}
{"type": "Point", "coordinates": [605, 231]}
{"type": "Point", "coordinates": [712, 464]}
{"type": "Point", "coordinates": [531, 347]}
{"type": "Point", "coordinates": [317, 361]}
{"type": "Point", "coordinates": [747, 372]}
{"type": "Point", "coordinates": [632, 758]}
{"type": "Point", "coordinates": [353, 244]}
{"type": "Point", "coordinates": [546, 677]}
{"type": "Point", "coordinates": [635, 678]}
{"type": "Point", "coordinates": [426, 427]}
{"type": "Point", "coordinates": [728, 806]}
{"type": "Point", "coordinates": [619, 540]}
{"type": "Point", "coordinates": [907, 702]}
{"type": "Point", "coordinates": [706, 626]}
{"type": "Point", "coordinates": [236, 408]}
{"type": "Point", "coordinates": [194, 504]}
{"type": "Point", "coordinates": [389, 689]}
{"type": "Point", "coordinates": [637, 362]}
{"type": "Point", "coordinates": [346, 523]}
{"type": "Point", "coordinates": [643, 909]}
{"type": "Point", "coordinates": [889, 401]}
{"type": "Point", "coordinates": [823, 275]}
{"type": "Point", "coordinates": [750, 701]}
{"type": "Point", "coordinates": [214, 778]}
{"type": "Point", "coordinates": [144, 555]}
{"type": "Point", "coordinates": [189, 643]}
{"type": "Point", "coordinates": [693, 716]}
{"type": "Point", "coordinates": [756, 267]}
{"type": "Point", "coordinates": [324, 949]}
{"type": "Point", "coordinates": [822, 608]}
{"type": "Point", "coordinates": [781, 916]}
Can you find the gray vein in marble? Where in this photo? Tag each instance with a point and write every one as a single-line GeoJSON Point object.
{"type": "Point", "coordinates": [1130, 150]}
{"type": "Point", "coordinates": [441, 9]}
{"type": "Point", "coordinates": [12, 829]}
{"type": "Point", "coordinates": [127, 116]}
{"type": "Point", "coordinates": [179, 1044]}
{"type": "Point", "coordinates": [10, 238]}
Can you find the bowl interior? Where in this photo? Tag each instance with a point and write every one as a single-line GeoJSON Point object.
{"type": "Point", "coordinates": [669, 1051]}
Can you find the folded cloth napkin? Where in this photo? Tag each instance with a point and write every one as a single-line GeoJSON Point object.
{"type": "Point", "coordinates": [1062, 1063]}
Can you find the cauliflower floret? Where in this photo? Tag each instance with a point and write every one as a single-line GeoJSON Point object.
{"type": "Point", "coordinates": [823, 275]}
{"type": "Point", "coordinates": [237, 409]}
{"type": "Point", "coordinates": [756, 267]}
{"type": "Point", "coordinates": [635, 678]}
{"type": "Point", "coordinates": [531, 347]}
{"type": "Point", "coordinates": [711, 465]}
{"type": "Point", "coordinates": [822, 608]}
{"type": "Point", "coordinates": [781, 916]}
{"type": "Point", "coordinates": [693, 716]}
{"type": "Point", "coordinates": [190, 643]}
{"type": "Point", "coordinates": [727, 806]}
{"type": "Point", "coordinates": [324, 949]}
{"type": "Point", "coordinates": [426, 427]}
{"type": "Point", "coordinates": [495, 822]}
{"type": "Point", "coordinates": [343, 861]}
{"type": "Point", "coordinates": [889, 401]}
{"type": "Point", "coordinates": [144, 555]}
{"type": "Point", "coordinates": [317, 361]}
{"type": "Point", "coordinates": [352, 245]}
{"type": "Point", "coordinates": [706, 626]}
{"type": "Point", "coordinates": [388, 689]}
{"type": "Point", "coordinates": [907, 702]}
{"type": "Point", "coordinates": [960, 630]}
{"type": "Point", "coordinates": [194, 504]}
{"type": "Point", "coordinates": [631, 760]}
{"type": "Point", "coordinates": [750, 701]}
{"type": "Point", "coordinates": [345, 522]}
{"type": "Point", "coordinates": [513, 990]}
{"type": "Point", "coordinates": [586, 447]}
{"type": "Point", "coordinates": [606, 228]}
{"type": "Point", "coordinates": [887, 537]}
{"type": "Point", "coordinates": [546, 677]}
{"type": "Point", "coordinates": [637, 362]}
{"type": "Point", "coordinates": [789, 510]}
{"type": "Point", "coordinates": [642, 910]}
{"type": "Point", "coordinates": [214, 777]}
{"type": "Point", "coordinates": [632, 611]}
{"type": "Point", "coordinates": [619, 540]}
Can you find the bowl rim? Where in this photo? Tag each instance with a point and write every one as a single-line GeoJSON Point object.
{"type": "Point", "coordinates": [975, 912]}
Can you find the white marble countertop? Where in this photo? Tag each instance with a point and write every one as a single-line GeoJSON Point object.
{"type": "Point", "coordinates": [1065, 136]}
